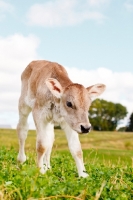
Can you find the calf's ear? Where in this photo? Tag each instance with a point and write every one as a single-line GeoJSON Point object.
{"type": "Point", "coordinates": [54, 86]}
{"type": "Point", "coordinates": [96, 90]}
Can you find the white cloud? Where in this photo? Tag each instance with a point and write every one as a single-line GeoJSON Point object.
{"type": "Point", "coordinates": [16, 52]}
{"type": "Point", "coordinates": [63, 13]}
{"type": "Point", "coordinates": [19, 50]}
{"type": "Point", "coordinates": [97, 3]}
{"type": "Point", "coordinates": [5, 8]}
{"type": "Point", "coordinates": [129, 5]}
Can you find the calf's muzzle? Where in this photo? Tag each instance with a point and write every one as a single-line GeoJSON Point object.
{"type": "Point", "coordinates": [85, 129]}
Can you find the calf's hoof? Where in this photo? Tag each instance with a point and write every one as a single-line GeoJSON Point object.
{"type": "Point", "coordinates": [21, 158]}
{"type": "Point", "coordinates": [84, 174]}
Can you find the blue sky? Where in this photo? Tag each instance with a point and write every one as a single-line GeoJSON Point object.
{"type": "Point", "coordinates": [93, 39]}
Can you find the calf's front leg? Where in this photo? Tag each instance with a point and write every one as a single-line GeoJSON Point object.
{"type": "Point", "coordinates": [75, 149]}
{"type": "Point", "coordinates": [44, 142]}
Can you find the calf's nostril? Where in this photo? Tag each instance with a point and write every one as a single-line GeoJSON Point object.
{"type": "Point", "coordinates": [85, 129]}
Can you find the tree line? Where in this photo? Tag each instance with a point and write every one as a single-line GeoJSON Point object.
{"type": "Point", "coordinates": [105, 115]}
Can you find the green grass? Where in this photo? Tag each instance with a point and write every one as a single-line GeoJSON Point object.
{"type": "Point", "coordinates": [108, 159]}
{"type": "Point", "coordinates": [96, 140]}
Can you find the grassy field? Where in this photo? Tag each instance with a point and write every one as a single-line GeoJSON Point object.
{"type": "Point", "coordinates": [108, 159]}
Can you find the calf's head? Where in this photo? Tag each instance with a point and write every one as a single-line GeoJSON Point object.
{"type": "Point", "coordinates": [75, 101]}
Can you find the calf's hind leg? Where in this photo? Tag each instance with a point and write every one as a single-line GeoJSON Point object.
{"type": "Point", "coordinates": [22, 129]}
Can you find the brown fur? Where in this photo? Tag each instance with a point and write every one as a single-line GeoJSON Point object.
{"type": "Point", "coordinates": [40, 147]}
{"type": "Point", "coordinates": [80, 154]}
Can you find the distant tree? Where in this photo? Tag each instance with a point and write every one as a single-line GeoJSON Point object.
{"type": "Point", "coordinates": [105, 115]}
{"type": "Point", "coordinates": [130, 124]}
{"type": "Point", "coordinates": [121, 129]}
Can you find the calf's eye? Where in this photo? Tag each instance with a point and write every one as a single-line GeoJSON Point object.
{"type": "Point", "coordinates": [69, 104]}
